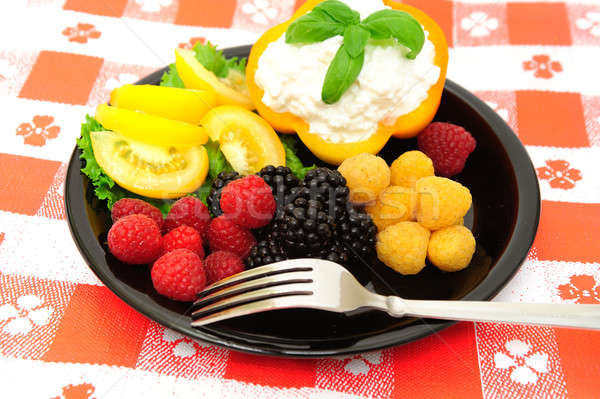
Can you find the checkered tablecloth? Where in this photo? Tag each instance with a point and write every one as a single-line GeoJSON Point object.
{"type": "Point", "coordinates": [64, 335]}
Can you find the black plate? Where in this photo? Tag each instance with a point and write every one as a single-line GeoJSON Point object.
{"type": "Point", "coordinates": [504, 220]}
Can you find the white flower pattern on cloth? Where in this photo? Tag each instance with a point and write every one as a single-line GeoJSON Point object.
{"type": "Point", "coordinates": [122, 79]}
{"type": "Point", "coordinates": [261, 11]}
{"type": "Point", "coordinates": [7, 70]}
{"type": "Point", "coordinates": [591, 23]}
{"type": "Point", "coordinates": [153, 5]}
{"type": "Point", "coordinates": [525, 369]}
{"type": "Point", "coordinates": [361, 363]}
{"type": "Point", "coordinates": [185, 346]}
{"type": "Point", "coordinates": [503, 112]}
{"type": "Point", "coordinates": [479, 24]}
{"type": "Point", "coordinates": [22, 318]}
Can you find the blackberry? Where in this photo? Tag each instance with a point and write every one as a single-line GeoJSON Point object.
{"type": "Point", "coordinates": [329, 187]}
{"type": "Point", "coordinates": [304, 226]}
{"type": "Point", "coordinates": [358, 233]}
{"type": "Point", "coordinates": [337, 252]}
{"type": "Point", "coordinates": [306, 223]}
{"type": "Point", "coordinates": [214, 197]}
{"type": "Point", "coordinates": [281, 179]}
{"type": "Point", "coordinates": [267, 250]}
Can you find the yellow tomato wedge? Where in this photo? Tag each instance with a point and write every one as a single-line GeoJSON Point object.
{"type": "Point", "coordinates": [231, 90]}
{"type": "Point", "coordinates": [149, 170]}
{"type": "Point", "coordinates": [150, 129]}
{"type": "Point", "coordinates": [248, 142]}
{"type": "Point", "coordinates": [184, 105]}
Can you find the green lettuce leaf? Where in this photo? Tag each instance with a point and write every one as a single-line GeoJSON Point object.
{"type": "Point", "coordinates": [212, 59]}
{"type": "Point", "coordinates": [217, 163]}
{"type": "Point", "coordinates": [291, 159]}
{"type": "Point", "coordinates": [171, 78]}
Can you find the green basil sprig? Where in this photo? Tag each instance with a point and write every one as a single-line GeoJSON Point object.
{"type": "Point", "coordinates": [332, 18]}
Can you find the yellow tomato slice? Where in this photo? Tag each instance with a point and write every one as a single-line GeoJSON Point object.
{"type": "Point", "coordinates": [248, 142]}
{"type": "Point", "coordinates": [150, 129]}
{"type": "Point", "coordinates": [148, 170]}
{"type": "Point", "coordinates": [184, 105]}
{"type": "Point", "coordinates": [232, 90]}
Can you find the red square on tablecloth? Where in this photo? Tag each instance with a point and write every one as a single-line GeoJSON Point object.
{"type": "Point", "coordinates": [270, 371]}
{"type": "Point", "coordinates": [441, 11]}
{"type": "Point", "coordinates": [111, 8]}
{"type": "Point", "coordinates": [579, 352]}
{"type": "Point", "coordinates": [551, 119]}
{"type": "Point", "coordinates": [443, 365]}
{"type": "Point", "coordinates": [568, 232]}
{"type": "Point", "coordinates": [24, 182]}
{"type": "Point", "coordinates": [206, 13]}
{"type": "Point", "coordinates": [62, 77]}
{"type": "Point", "coordinates": [98, 328]}
{"type": "Point", "coordinates": [539, 23]}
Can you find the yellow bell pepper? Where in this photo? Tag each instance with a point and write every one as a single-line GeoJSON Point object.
{"type": "Point", "coordinates": [405, 126]}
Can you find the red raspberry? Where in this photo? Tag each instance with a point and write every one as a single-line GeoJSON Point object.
{"type": "Point", "coordinates": [188, 211]}
{"type": "Point", "coordinates": [224, 235]}
{"type": "Point", "coordinates": [221, 264]}
{"type": "Point", "coordinates": [133, 206]}
{"type": "Point", "coordinates": [179, 275]}
{"type": "Point", "coordinates": [448, 146]}
{"type": "Point", "coordinates": [135, 239]}
{"type": "Point", "coordinates": [248, 202]}
{"type": "Point", "coordinates": [183, 237]}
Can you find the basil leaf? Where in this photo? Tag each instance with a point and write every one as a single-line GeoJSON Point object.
{"type": "Point", "coordinates": [339, 11]}
{"type": "Point", "coordinates": [399, 25]}
{"type": "Point", "coordinates": [312, 28]}
{"type": "Point", "coordinates": [342, 72]}
{"type": "Point", "coordinates": [355, 40]}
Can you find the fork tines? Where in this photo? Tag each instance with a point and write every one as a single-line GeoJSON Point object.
{"type": "Point", "coordinates": [249, 291]}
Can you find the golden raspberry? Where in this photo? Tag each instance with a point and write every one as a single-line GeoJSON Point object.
{"type": "Point", "coordinates": [394, 204]}
{"type": "Point", "coordinates": [403, 247]}
{"type": "Point", "coordinates": [410, 167]}
{"type": "Point", "coordinates": [451, 248]}
{"type": "Point", "coordinates": [366, 176]}
{"type": "Point", "coordinates": [441, 202]}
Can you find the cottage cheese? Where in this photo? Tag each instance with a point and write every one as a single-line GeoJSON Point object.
{"type": "Point", "coordinates": [388, 86]}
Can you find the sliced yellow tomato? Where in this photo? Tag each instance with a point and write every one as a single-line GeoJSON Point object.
{"type": "Point", "coordinates": [150, 129]}
{"type": "Point", "coordinates": [149, 170]}
{"type": "Point", "coordinates": [248, 142]}
{"type": "Point", "coordinates": [336, 153]}
{"type": "Point", "coordinates": [184, 105]}
{"type": "Point", "coordinates": [231, 90]}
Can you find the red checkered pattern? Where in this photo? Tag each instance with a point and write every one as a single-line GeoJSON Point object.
{"type": "Point", "coordinates": [535, 63]}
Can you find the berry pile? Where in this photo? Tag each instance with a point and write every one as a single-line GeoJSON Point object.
{"type": "Point", "coordinates": [179, 267]}
{"type": "Point", "coordinates": [257, 220]}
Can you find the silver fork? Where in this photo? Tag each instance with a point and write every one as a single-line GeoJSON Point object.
{"type": "Point", "coordinates": [325, 285]}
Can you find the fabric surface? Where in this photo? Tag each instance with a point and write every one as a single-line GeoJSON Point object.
{"type": "Point", "coordinates": [64, 335]}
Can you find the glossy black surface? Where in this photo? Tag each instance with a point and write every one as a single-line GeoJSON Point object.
{"type": "Point", "coordinates": [504, 219]}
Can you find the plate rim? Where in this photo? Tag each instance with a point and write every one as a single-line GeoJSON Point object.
{"type": "Point", "coordinates": [525, 227]}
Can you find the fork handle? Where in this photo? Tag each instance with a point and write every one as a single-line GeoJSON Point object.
{"type": "Point", "coordinates": [559, 315]}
